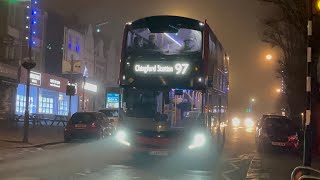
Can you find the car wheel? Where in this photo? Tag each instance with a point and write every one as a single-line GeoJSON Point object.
{"type": "Point", "coordinates": [101, 135]}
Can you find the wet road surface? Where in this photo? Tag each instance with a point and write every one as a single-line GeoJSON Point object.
{"type": "Point", "coordinates": [106, 160]}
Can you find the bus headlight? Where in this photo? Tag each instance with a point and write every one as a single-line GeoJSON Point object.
{"type": "Point", "coordinates": [235, 122]}
{"type": "Point", "coordinates": [121, 136]}
{"type": "Point", "coordinates": [198, 141]}
{"type": "Point", "coordinates": [248, 123]}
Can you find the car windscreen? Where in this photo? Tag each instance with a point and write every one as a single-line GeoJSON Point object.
{"type": "Point", "coordinates": [82, 118]}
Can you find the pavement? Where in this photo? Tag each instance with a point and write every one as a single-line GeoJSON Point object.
{"type": "Point", "coordinates": [105, 159]}
{"type": "Point", "coordinates": [11, 144]}
{"type": "Point", "coordinates": [38, 136]}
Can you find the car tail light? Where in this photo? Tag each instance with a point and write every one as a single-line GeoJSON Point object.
{"type": "Point", "coordinates": [93, 125]}
{"type": "Point", "coordinates": [293, 138]}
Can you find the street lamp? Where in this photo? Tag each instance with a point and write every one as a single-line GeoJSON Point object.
{"type": "Point", "coordinates": [98, 29]}
{"type": "Point", "coordinates": [268, 57]}
{"type": "Point", "coordinates": [278, 90]}
{"type": "Point", "coordinates": [253, 100]}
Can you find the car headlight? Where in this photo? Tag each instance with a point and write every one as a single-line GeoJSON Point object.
{"type": "Point", "coordinates": [248, 123]}
{"type": "Point", "coordinates": [198, 141]}
{"type": "Point", "coordinates": [235, 122]}
{"type": "Point", "coordinates": [121, 136]}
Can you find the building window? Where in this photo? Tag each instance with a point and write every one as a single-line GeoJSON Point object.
{"type": "Point", "coordinates": [21, 104]}
{"type": "Point", "coordinates": [46, 105]}
{"type": "Point", "coordinates": [70, 42]}
{"type": "Point", "coordinates": [77, 48]}
{"type": "Point", "coordinates": [63, 105]}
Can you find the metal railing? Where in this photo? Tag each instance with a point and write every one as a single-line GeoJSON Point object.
{"type": "Point", "coordinates": [305, 168]}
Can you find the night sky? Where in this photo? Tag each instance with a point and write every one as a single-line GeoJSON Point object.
{"type": "Point", "coordinates": [235, 22]}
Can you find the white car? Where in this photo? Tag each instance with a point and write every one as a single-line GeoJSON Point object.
{"type": "Point", "coordinates": [112, 115]}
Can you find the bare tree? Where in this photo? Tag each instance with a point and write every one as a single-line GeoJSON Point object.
{"type": "Point", "coordinates": [286, 29]}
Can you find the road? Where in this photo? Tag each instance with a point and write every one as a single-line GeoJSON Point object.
{"type": "Point", "coordinates": [106, 160]}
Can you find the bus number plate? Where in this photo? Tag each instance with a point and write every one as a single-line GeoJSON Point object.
{"type": "Point", "coordinates": [159, 153]}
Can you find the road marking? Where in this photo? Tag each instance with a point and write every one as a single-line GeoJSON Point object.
{"type": "Point", "coordinates": [255, 170]}
{"type": "Point", "coordinates": [80, 174]}
{"type": "Point", "coordinates": [235, 168]}
{"type": "Point", "coordinates": [232, 162]}
{"type": "Point", "coordinates": [23, 178]}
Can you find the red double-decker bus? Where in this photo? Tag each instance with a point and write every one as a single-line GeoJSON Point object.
{"type": "Point", "coordinates": [174, 87]}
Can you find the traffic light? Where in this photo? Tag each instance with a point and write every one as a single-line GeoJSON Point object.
{"type": "Point", "coordinates": [316, 7]}
{"type": "Point", "coordinates": [71, 90]}
{"type": "Point", "coordinates": [248, 110]}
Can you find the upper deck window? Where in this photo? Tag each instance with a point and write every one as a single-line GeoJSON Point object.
{"type": "Point", "coordinates": [185, 41]}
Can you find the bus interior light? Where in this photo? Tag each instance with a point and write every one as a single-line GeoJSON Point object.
{"type": "Point", "coordinates": [172, 39]}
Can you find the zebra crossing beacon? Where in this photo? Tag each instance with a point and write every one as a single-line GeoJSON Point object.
{"type": "Point", "coordinates": [174, 82]}
{"type": "Point", "coordinates": [313, 8]}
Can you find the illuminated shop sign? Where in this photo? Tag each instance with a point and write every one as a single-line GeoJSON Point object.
{"type": "Point", "coordinates": [178, 68]}
{"type": "Point", "coordinates": [55, 83]}
{"type": "Point", "coordinates": [35, 78]}
{"type": "Point", "coordinates": [90, 87]}
{"type": "Point", "coordinates": [112, 100]}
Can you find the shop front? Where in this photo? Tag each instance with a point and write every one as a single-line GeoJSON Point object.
{"type": "Point", "coordinates": [112, 98]}
{"type": "Point", "coordinates": [8, 85]}
{"type": "Point", "coordinates": [89, 96]}
{"type": "Point", "coordinates": [47, 95]}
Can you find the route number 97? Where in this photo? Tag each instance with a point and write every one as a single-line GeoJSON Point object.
{"type": "Point", "coordinates": [181, 68]}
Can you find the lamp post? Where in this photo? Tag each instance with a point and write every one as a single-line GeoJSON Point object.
{"type": "Point", "coordinates": [83, 93]}
{"type": "Point", "coordinates": [98, 30]}
{"type": "Point", "coordinates": [28, 65]}
{"type": "Point", "coordinates": [85, 75]}
{"type": "Point", "coordinates": [253, 100]}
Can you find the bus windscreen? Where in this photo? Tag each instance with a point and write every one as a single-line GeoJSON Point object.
{"type": "Point", "coordinates": [143, 41]}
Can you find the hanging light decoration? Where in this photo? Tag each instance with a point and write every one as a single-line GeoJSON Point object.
{"type": "Point", "coordinates": [31, 21]}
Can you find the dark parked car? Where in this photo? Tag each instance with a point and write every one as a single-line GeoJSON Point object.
{"type": "Point", "coordinates": [276, 131]}
{"type": "Point", "coordinates": [87, 125]}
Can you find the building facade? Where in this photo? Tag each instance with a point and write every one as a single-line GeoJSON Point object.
{"type": "Point", "coordinates": [14, 31]}
{"type": "Point", "coordinates": [79, 60]}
